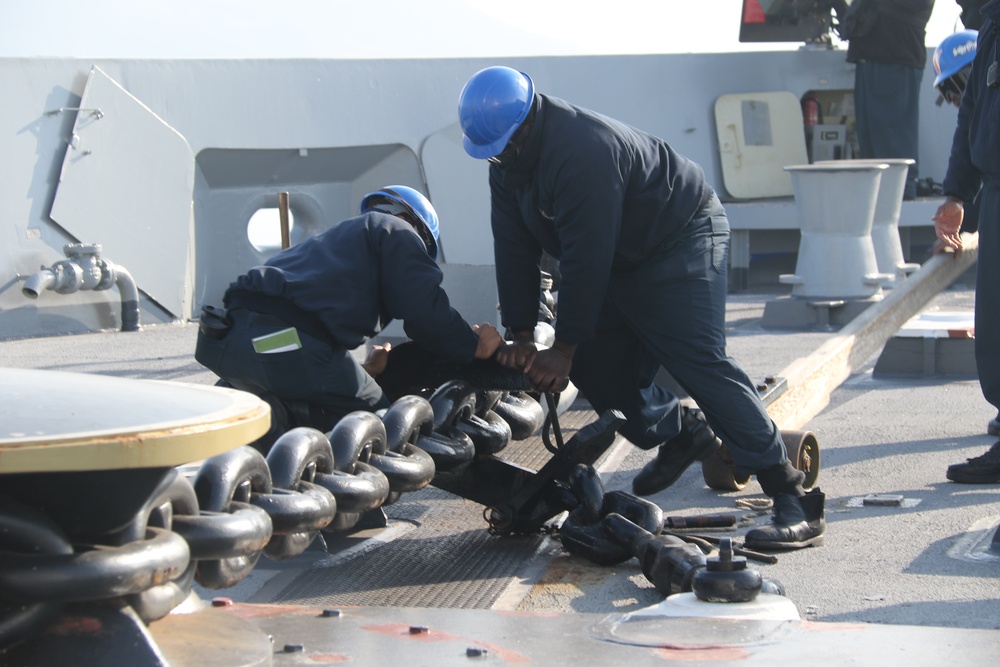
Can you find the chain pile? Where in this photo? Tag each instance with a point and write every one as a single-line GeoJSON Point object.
{"type": "Point", "coordinates": [240, 505]}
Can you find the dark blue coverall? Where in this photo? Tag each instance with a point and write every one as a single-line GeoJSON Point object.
{"type": "Point", "coordinates": [975, 164]}
{"type": "Point", "coordinates": [642, 243]}
{"type": "Point", "coordinates": [337, 289]}
{"type": "Point", "coordinates": [889, 65]}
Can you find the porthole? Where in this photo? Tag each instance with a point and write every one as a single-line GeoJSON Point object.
{"type": "Point", "coordinates": [264, 229]}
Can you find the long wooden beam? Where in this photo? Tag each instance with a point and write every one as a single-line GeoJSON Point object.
{"type": "Point", "coordinates": [811, 379]}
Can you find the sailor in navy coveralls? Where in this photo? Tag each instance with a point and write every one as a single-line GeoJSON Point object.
{"type": "Point", "coordinates": [642, 242]}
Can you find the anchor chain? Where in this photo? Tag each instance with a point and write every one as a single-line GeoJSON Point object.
{"type": "Point", "coordinates": [97, 573]}
{"type": "Point", "coordinates": [523, 413]}
{"type": "Point", "coordinates": [213, 528]}
{"type": "Point", "coordinates": [585, 533]}
{"type": "Point", "coordinates": [26, 531]}
{"type": "Point", "coordinates": [308, 483]}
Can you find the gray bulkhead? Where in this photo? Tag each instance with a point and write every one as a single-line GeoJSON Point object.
{"type": "Point", "coordinates": [182, 153]}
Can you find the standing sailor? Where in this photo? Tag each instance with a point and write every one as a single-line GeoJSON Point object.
{"type": "Point", "coordinates": [974, 168]}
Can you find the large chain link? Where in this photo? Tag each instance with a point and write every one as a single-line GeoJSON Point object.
{"type": "Point", "coordinates": [240, 505]}
{"type": "Point", "coordinates": [584, 532]}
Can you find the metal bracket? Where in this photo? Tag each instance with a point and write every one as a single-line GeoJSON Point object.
{"type": "Point", "coordinates": [771, 388]}
{"type": "Point", "coordinates": [96, 113]}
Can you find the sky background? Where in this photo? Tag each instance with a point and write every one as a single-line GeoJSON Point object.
{"type": "Point", "coordinates": [381, 28]}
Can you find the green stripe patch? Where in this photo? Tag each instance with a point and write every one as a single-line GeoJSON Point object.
{"type": "Point", "coordinates": [285, 340]}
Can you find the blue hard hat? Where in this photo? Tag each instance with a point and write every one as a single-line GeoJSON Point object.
{"type": "Point", "coordinates": [394, 199]}
{"type": "Point", "coordinates": [493, 104]}
{"type": "Point", "coordinates": [954, 54]}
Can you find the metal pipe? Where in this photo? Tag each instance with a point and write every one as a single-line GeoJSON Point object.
{"type": "Point", "coordinates": [86, 270]}
{"type": "Point", "coordinates": [37, 282]}
{"type": "Point", "coordinates": [129, 294]}
{"type": "Point", "coordinates": [286, 239]}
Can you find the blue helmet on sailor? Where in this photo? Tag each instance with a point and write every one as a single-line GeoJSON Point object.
{"type": "Point", "coordinates": [402, 199]}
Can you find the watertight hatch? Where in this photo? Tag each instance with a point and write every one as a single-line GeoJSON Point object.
{"type": "Point", "coordinates": [759, 134]}
{"type": "Point", "coordinates": [126, 183]}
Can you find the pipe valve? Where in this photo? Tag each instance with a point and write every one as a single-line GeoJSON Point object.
{"type": "Point", "coordinates": [85, 269]}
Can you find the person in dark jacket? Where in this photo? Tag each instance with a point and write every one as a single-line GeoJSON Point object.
{"type": "Point", "coordinates": [952, 62]}
{"type": "Point", "coordinates": [974, 167]}
{"type": "Point", "coordinates": [971, 16]}
{"type": "Point", "coordinates": [889, 55]}
{"type": "Point", "coordinates": [296, 319]}
{"type": "Point", "coordinates": [642, 243]}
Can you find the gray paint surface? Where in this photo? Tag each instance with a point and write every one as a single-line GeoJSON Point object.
{"type": "Point", "coordinates": [368, 123]}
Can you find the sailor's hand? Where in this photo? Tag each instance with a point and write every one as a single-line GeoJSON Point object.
{"type": "Point", "coordinates": [518, 355]}
{"type": "Point", "coordinates": [377, 359]}
{"type": "Point", "coordinates": [550, 369]}
{"type": "Point", "coordinates": [948, 223]}
{"type": "Point", "coordinates": [489, 340]}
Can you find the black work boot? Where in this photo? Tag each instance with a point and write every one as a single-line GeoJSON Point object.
{"type": "Point", "coordinates": [984, 469]}
{"type": "Point", "coordinates": [695, 442]}
{"type": "Point", "coordinates": [798, 522]}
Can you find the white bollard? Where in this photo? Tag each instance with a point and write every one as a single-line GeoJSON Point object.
{"type": "Point", "coordinates": [885, 224]}
{"type": "Point", "coordinates": [836, 205]}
